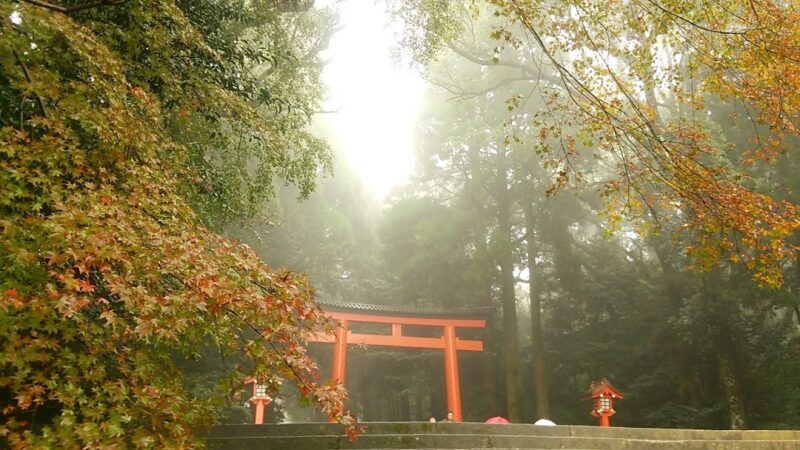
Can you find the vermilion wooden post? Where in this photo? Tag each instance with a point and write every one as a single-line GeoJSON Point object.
{"type": "Point", "coordinates": [451, 372]}
{"type": "Point", "coordinates": [340, 352]}
{"type": "Point", "coordinates": [339, 355]}
{"type": "Point", "coordinates": [260, 405]}
{"type": "Point", "coordinates": [259, 399]}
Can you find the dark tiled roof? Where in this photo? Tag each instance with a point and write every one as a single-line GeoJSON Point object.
{"type": "Point", "coordinates": [402, 310]}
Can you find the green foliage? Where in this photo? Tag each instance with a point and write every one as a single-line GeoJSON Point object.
{"type": "Point", "coordinates": [233, 87]}
{"type": "Point", "coordinates": [431, 24]}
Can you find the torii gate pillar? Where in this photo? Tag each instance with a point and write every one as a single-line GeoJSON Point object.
{"type": "Point", "coordinates": [340, 352]}
{"type": "Point", "coordinates": [451, 372]}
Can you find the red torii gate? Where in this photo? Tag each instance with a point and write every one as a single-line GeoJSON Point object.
{"type": "Point", "coordinates": [347, 313]}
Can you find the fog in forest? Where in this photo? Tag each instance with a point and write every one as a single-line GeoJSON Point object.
{"type": "Point", "coordinates": [536, 198]}
{"type": "Point", "coordinates": [488, 220]}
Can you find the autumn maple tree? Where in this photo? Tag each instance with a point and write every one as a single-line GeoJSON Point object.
{"type": "Point", "coordinates": [115, 120]}
{"type": "Point", "coordinates": [628, 81]}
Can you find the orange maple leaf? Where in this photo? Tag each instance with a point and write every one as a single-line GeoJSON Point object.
{"type": "Point", "coordinates": [85, 286]}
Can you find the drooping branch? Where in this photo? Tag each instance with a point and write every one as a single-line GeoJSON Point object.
{"type": "Point", "coordinates": [76, 8]}
{"type": "Point", "coordinates": [693, 23]}
{"type": "Point", "coordinates": [526, 70]}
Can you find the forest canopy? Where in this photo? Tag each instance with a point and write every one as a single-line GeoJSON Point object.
{"type": "Point", "coordinates": [633, 84]}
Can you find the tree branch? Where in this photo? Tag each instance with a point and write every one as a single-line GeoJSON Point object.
{"type": "Point", "coordinates": [30, 81]}
{"type": "Point", "coordinates": [692, 23]}
{"type": "Point", "coordinates": [464, 94]}
{"type": "Point", "coordinates": [526, 70]}
{"type": "Point", "coordinates": [327, 111]}
{"type": "Point", "coordinates": [76, 8]}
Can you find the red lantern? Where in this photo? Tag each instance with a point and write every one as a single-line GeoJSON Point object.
{"type": "Point", "coordinates": [603, 395]}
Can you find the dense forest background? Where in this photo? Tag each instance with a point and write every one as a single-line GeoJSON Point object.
{"type": "Point", "coordinates": [575, 296]}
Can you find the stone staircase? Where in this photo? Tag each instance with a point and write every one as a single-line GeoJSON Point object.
{"type": "Point", "coordinates": [429, 436]}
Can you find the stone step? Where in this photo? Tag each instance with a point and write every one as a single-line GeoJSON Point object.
{"type": "Point", "coordinates": [421, 428]}
{"type": "Point", "coordinates": [457, 436]}
{"type": "Point", "coordinates": [482, 441]}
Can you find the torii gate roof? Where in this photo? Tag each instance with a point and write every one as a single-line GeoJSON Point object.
{"type": "Point", "coordinates": [407, 311]}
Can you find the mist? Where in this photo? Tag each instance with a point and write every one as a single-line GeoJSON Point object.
{"type": "Point", "coordinates": [510, 209]}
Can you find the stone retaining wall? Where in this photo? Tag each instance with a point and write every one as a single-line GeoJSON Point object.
{"type": "Point", "coordinates": [428, 436]}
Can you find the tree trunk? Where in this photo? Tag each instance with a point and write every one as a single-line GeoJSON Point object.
{"type": "Point", "coordinates": [731, 387]}
{"type": "Point", "coordinates": [505, 260]}
{"type": "Point", "coordinates": [537, 341]}
{"type": "Point", "coordinates": [475, 200]}
{"type": "Point", "coordinates": [725, 350]}
{"type": "Point", "coordinates": [489, 367]}
{"type": "Point", "coordinates": [797, 280]}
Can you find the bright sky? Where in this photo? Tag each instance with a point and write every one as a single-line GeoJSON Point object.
{"type": "Point", "coordinates": [377, 100]}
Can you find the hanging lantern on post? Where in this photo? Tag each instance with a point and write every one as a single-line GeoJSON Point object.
{"type": "Point", "coordinates": [603, 395]}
